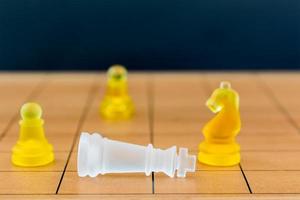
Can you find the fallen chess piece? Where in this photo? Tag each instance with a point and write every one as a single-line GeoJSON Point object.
{"type": "Point", "coordinates": [100, 155]}
{"type": "Point", "coordinates": [32, 149]}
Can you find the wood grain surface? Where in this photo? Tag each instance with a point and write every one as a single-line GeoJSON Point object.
{"type": "Point", "coordinates": [170, 110]}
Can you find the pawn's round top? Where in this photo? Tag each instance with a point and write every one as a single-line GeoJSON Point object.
{"type": "Point", "coordinates": [225, 85]}
{"type": "Point", "coordinates": [117, 72]}
{"type": "Point", "coordinates": [31, 111]}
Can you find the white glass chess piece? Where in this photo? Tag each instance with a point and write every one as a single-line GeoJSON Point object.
{"type": "Point", "coordinates": [100, 155]}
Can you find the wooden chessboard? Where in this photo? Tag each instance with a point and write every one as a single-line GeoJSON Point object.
{"type": "Point", "coordinates": [170, 110]}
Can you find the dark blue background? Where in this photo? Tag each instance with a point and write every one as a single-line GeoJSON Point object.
{"type": "Point", "coordinates": [150, 34]}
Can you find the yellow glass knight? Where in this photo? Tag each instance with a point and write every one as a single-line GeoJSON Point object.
{"type": "Point", "coordinates": [117, 104]}
{"type": "Point", "coordinates": [219, 147]}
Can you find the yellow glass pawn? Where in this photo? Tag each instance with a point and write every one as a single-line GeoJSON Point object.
{"type": "Point", "coordinates": [32, 148]}
{"type": "Point", "coordinates": [117, 104]}
{"type": "Point", "coordinates": [219, 147]}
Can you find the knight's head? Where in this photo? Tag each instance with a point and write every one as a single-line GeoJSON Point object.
{"type": "Point", "coordinates": [223, 96]}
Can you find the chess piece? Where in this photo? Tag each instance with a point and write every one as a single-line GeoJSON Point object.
{"type": "Point", "coordinates": [100, 155]}
{"type": "Point", "coordinates": [32, 148]}
{"type": "Point", "coordinates": [116, 104]}
{"type": "Point", "coordinates": [219, 147]}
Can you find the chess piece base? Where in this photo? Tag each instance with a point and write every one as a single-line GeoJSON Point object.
{"type": "Point", "coordinates": [116, 108]}
{"type": "Point", "coordinates": [30, 154]}
{"type": "Point", "coordinates": [219, 154]}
